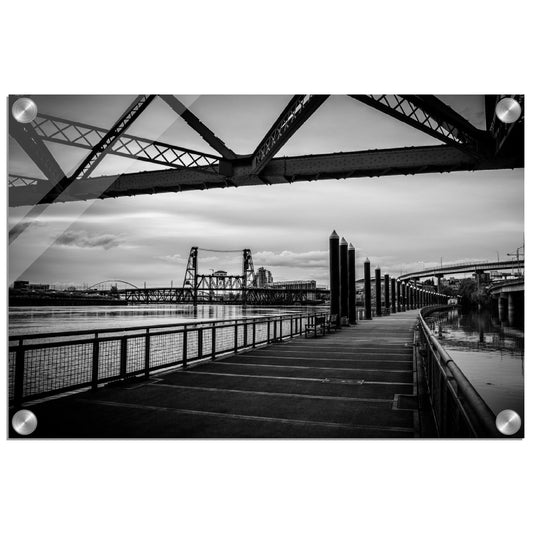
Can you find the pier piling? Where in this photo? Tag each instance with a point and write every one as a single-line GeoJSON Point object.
{"type": "Point", "coordinates": [368, 291]}
{"type": "Point", "coordinates": [334, 272]}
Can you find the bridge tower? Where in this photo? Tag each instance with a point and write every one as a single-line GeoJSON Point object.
{"type": "Point", "coordinates": [191, 274]}
{"type": "Point", "coordinates": [248, 274]}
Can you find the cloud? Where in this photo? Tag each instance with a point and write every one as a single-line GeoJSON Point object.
{"type": "Point", "coordinates": [20, 227]}
{"type": "Point", "coordinates": [176, 258]}
{"type": "Point", "coordinates": [287, 258]}
{"type": "Point", "coordinates": [83, 239]}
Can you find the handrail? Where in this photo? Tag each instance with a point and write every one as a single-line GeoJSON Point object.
{"type": "Point", "coordinates": [88, 358]}
{"type": "Point", "coordinates": [458, 408]}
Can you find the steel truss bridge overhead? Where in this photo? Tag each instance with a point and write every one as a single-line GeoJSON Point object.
{"type": "Point", "coordinates": [483, 266]}
{"type": "Point", "coordinates": [459, 147]}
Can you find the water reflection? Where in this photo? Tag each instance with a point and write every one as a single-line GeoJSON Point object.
{"type": "Point", "coordinates": [47, 319]}
{"type": "Point", "coordinates": [489, 354]}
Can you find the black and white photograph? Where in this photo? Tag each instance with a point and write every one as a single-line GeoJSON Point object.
{"type": "Point", "coordinates": [266, 266]}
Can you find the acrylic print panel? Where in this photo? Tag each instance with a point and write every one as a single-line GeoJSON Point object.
{"type": "Point", "coordinates": [260, 266]}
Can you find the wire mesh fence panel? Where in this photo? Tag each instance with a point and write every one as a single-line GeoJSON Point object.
{"type": "Point", "coordinates": [261, 331]}
{"type": "Point", "coordinates": [286, 326]}
{"type": "Point", "coordinates": [109, 359]}
{"type": "Point", "coordinates": [136, 351]}
{"type": "Point", "coordinates": [207, 340]}
{"type": "Point", "coordinates": [192, 344]}
{"type": "Point", "coordinates": [53, 368]}
{"type": "Point", "coordinates": [249, 334]}
{"type": "Point", "coordinates": [240, 336]}
{"type": "Point", "coordinates": [167, 348]}
{"type": "Point", "coordinates": [225, 338]}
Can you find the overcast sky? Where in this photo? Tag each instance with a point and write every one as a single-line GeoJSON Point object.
{"type": "Point", "coordinates": [400, 222]}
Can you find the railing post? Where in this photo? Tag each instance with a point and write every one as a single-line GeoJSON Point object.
{"type": "Point", "coordinates": [200, 343]}
{"type": "Point", "coordinates": [123, 356]}
{"type": "Point", "coordinates": [281, 329]}
{"type": "Point", "coordinates": [96, 356]}
{"type": "Point", "coordinates": [268, 330]}
{"type": "Point", "coordinates": [245, 333]}
{"type": "Point", "coordinates": [184, 358]}
{"type": "Point", "coordinates": [275, 336]}
{"type": "Point", "coordinates": [213, 342]}
{"type": "Point", "coordinates": [147, 353]}
{"type": "Point", "coordinates": [236, 336]}
{"type": "Point", "coordinates": [18, 392]}
{"type": "Point", "coordinates": [253, 332]}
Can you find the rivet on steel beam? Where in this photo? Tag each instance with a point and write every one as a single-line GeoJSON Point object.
{"type": "Point", "coordinates": [508, 422]}
{"type": "Point", "coordinates": [24, 110]}
{"type": "Point", "coordinates": [508, 110]}
{"type": "Point", "coordinates": [24, 422]}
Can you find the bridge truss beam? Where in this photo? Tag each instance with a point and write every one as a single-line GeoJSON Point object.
{"type": "Point", "coordinates": [98, 152]}
{"type": "Point", "coordinates": [29, 140]}
{"type": "Point", "coordinates": [196, 124]}
{"type": "Point", "coordinates": [297, 111]}
{"type": "Point", "coordinates": [430, 115]}
{"type": "Point", "coordinates": [254, 296]}
{"type": "Point", "coordinates": [80, 135]}
{"type": "Point", "coordinates": [368, 163]}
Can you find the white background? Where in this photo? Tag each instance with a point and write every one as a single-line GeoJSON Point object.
{"type": "Point", "coordinates": [275, 47]}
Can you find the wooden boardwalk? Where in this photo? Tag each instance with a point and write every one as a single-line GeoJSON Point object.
{"type": "Point", "coordinates": [358, 382]}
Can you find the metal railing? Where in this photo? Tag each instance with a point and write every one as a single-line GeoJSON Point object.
{"type": "Point", "coordinates": [47, 364]}
{"type": "Point", "coordinates": [458, 409]}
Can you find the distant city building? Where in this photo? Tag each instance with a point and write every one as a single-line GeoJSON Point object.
{"type": "Point", "coordinates": [302, 285]}
{"type": "Point", "coordinates": [30, 286]}
{"type": "Point", "coordinates": [263, 278]}
{"type": "Point", "coordinates": [220, 273]}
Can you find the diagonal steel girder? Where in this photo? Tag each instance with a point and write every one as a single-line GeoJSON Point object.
{"type": "Point", "coordinates": [31, 143]}
{"type": "Point", "coordinates": [432, 116]}
{"type": "Point", "coordinates": [297, 111]}
{"type": "Point", "coordinates": [103, 147]}
{"type": "Point", "coordinates": [197, 125]}
{"type": "Point", "coordinates": [110, 138]}
{"type": "Point", "coordinates": [505, 136]}
{"type": "Point", "coordinates": [81, 135]}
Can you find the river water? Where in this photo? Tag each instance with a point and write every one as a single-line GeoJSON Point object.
{"type": "Point", "coordinates": [490, 355]}
{"type": "Point", "coordinates": [47, 319]}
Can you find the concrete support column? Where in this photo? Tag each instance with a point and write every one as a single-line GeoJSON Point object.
{"type": "Point", "coordinates": [368, 292]}
{"type": "Point", "coordinates": [403, 297]}
{"type": "Point", "coordinates": [511, 309]}
{"type": "Point", "coordinates": [343, 251]}
{"type": "Point", "coordinates": [439, 277]}
{"type": "Point", "coordinates": [352, 311]}
{"type": "Point", "coordinates": [393, 294]}
{"type": "Point", "coordinates": [378, 291]}
{"type": "Point", "coordinates": [387, 294]}
{"type": "Point", "coordinates": [502, 309]}
{"type": "Point", "coordinates": [334, 272]}
{"type": "Point", "coordinates": [410, 297]}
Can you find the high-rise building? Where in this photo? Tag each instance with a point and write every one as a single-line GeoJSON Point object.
{"type": "Point", "coordinates": [263, 278]}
